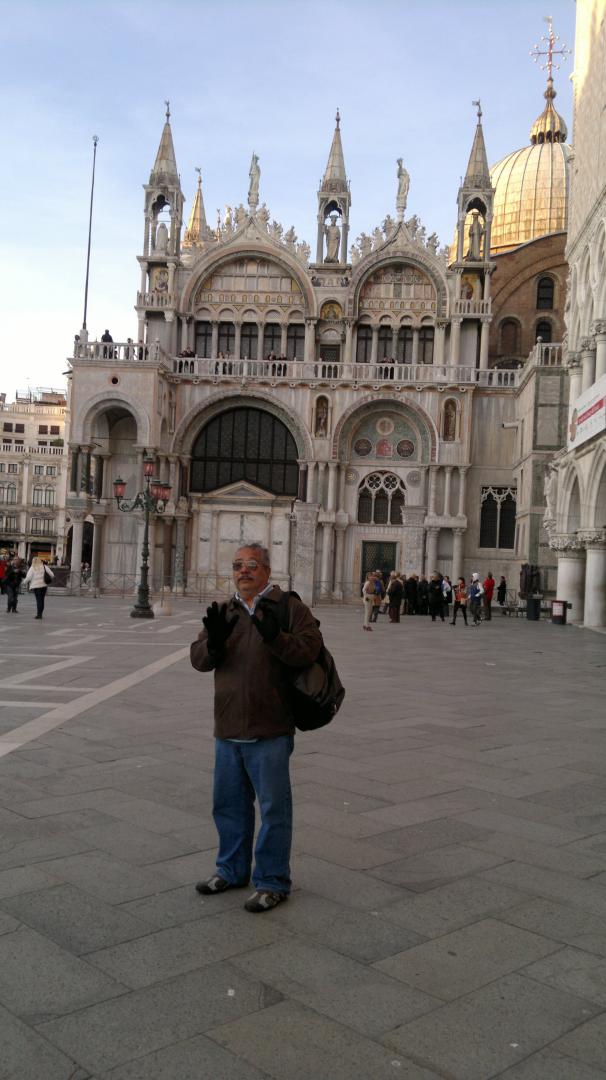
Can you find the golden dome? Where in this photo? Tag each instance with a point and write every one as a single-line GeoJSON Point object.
{"type": "Point", "coordinates": [531, 185]}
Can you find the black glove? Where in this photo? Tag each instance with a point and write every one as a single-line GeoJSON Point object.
{"type": "Point", "coordinates": [218, 627]}
{"type": "Point", "coordinates": [268, 625]}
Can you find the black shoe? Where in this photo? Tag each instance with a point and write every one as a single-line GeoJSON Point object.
{"type": "Point", "coordinates": [217, 884]}
{"type": "Point", "coordinates": [264, 901]}
{"type": "Point", "coordinates": [37, 616]}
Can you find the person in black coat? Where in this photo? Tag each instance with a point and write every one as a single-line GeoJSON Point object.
{"type": "Point", "coordinates": [435, 597]}
{"type": "Point", "coordinates": [422, 596]}
{"type": "Point", "coordinates": [410, 590]}
{"type": "Point", "coordinates": [12, 583]}
{"type": "Point", "coordinates": [395, 591]}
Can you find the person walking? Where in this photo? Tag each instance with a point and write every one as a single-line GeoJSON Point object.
{"type": "Point", "coordinates": [435, 597]}
{"type": "Point", "coordinates": [12, 583]}
{"type": "Point", "coordinates": [446, 593]}
{"type": "Point", "coordinates": [244, 644]}
{"type": "Point", "coordinates": [489, 584]}
{"type": "Point", "coordinates": [502, 593]}
{"type": "Point", "coordinates": [379, 594]}
{"type": "Point", "coordinates": [460, 601]}
{"type": "Point", "coordinates": [368, 599]}
{"type": "Point", "coordinates": [474, 596]}
{"type": "Point", "coordinates": [395, 591]}
{"type": "Point", "coordinates": [37, 579]}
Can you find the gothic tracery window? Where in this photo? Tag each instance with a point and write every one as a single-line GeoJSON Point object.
{"type": "Point", "coordinates": [381, 497]}
{"type": "Point", "coordinates": [498, 517]}
{"type": "Point", "coordinates": [245, 444]}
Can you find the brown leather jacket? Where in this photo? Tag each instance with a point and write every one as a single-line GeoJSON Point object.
{"type": "Point", "coordinates": [250, 681]}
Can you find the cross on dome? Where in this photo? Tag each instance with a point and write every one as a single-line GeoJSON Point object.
{"type": "Point", "coordinates": [549, 39]}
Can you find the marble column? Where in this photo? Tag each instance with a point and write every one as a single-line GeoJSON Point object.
{"type": "Point", "coordinates": [74, 451]}
{"type": "Point", "coordinates": [320, 484]}
{"type": "Point", "coordinates": [447, 485]}
{"type": "Point", "coordinates": [179, 575]}
{"type": "Point", "coordinates": [260, 341]}
{"type": "Point", "coordinates": [214, 346]}
{"type": "Point", "coordinates": [213, 562]}
{"type": "Point", "coordinates": [310, 341]}
{"type": "Point", "coordinates": [332, 485]}
{"type": "Point", "coordinates": [440, 342]}
{"type": "Point", "coordinates": [348, 357]}
{"type": "Point", "coordinates": [457, 553]}
{"type": "Point", "coordinates": [303, 583]}
{"type": "Point", "coordinates": [283, 338]}
{"type": "Point", "coordinates": [76, 555]}
{"type": "Point", "coordinates": [588, 362]}
{"type": "Point", "coordinates": [455, 343]}
{"type": "Point", "coordinates": [415, 345]}
{"type": "Point", "coordinates": [571, 577]}
{"type": "Point", "coordinates": [184, 334]}
{"type": "Point", "coordinates": [599, 329]}
{"type": "Point", "coordinates": [431, 499]}
{"type": "Point", "coordinates": [595, 579]}
{"type": "Point", "coordinates": [311, 482]}
{"type": "Point", "coordinates": [326, 582]}
{"type": "Point", "coordinates": [575, 373]}
{"type": "Point", "coordinates": [394, 342]}
{"type": "Point", "coordinates": [340, 532]}
{"type": "Point", "coordinates": [463, 469]}
{"type": "Point", "coordinates": [95, 565]}
{"type": "Point", "coordinates": [374, 348]}
{"type": "Point", "coordinates": [431, 549]}
{"type": "Point", "coordinates": [238, 340]}
{"type": "Point", "coordinates": [484, 336]}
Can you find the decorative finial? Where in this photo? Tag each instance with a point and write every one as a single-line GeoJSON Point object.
{"type": "Point", "coordinates": [549, 39]}
{"type": "Point", "coordinates": [199, 172]}
{"type": "Point", "coordinates": [167, 103]}
{"type": "Point", "coordinates": [338, 117]}
{"type": "Point", "coordinates": [479, 108]}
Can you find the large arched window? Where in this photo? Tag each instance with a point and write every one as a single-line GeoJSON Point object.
{"type": "Point", "coordinates": [385, 341]}
{"type": "Point", "coordinates": [272, 337]}
{"type": "Point", "coordinates": [248, 341]}
{"type": "Point", "coordinates": [426, 336]}
{"type": "Point", "coordinates": [543, 331]}
{"type": "Point", "coordinates": [509, 344]}
{"type": "Point", "coordinates": [381, 499]}
{"type": "Point", "coordinates": [545, 294]}
{"type": "Point", "coordinates": [245, 444]}
{"type": "Point", "coordinates": [295, 341]}
{"type": "Point", "coordinates": [405, 345]}
{"type": "Point", "coordinates": [364, 345]}
{"type": "Point", "coordinates": [498, 517]}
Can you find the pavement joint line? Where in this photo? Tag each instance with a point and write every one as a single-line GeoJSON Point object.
{"type": "Point", "coordinates": [58, 715]}
{"type": "Point", "coordinates": [7, 685]}
{"type": "Point", "coordinates": [28, 705]}
{"type": "Point", "coordinates": [33, 673]}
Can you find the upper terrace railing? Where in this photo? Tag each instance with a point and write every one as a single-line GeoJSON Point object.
{"type": "Point", "coordinates": [546, 355]}
{"type": "Point", "coordinates": [299, 371]}
{"type": "Point", "coordinates": [50, 451]}
{"type": "Point", "coordinates": [296, 371]}
{"type": "Point", "coordinates": [473, 307]}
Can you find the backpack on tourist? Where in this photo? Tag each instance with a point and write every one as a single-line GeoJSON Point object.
{"type": "Point", "coordinates": [315, 693]}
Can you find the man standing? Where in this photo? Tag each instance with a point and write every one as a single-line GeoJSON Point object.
{"type": "Point", "coordinates": [474, 595]}
{"type": "Point", "coordinates": [244, 643]}
{"type": "Point", "coordinates": [489, 584]}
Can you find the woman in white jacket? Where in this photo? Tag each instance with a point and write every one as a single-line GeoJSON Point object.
{"type": "Point", "coordinates": [37, 580]}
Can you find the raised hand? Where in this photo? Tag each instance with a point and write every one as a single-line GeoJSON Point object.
{"type": "Point", "coordinates": [268, 625]}
{"type": "Point", "coordinates": [218, 627]}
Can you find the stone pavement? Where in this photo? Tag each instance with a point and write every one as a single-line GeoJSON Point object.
{"type": "Point", "coordinates": [449, 918]}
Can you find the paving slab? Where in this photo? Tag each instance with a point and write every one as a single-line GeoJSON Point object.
{"type": "Point", "coordinates": [586, 1043]}
{"type": "Point", "coordinates": [550, 1065]}
{"type": "Point", "coordinates": [194, 1059]}
{"type": "Point", "coordinates": [572, 969]}
{"type": "Point", "coordinates": [451, 906]}
{"type": "Point", "coordinates": [28, 1056]}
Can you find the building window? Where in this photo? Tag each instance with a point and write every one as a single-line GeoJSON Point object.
{"type": "Point", "coordinates": [7, 427]}
{"type": "Point", "coordinates": [13, 467]}
{"type": "Point", "coordinates": [426, 336]}
{"type": "Point", "coordinates": [509, 338]}
{"type": "Point", "coordinates": [10, 523]}
{"type": "Point", "coordinates": [295, 341]}
{"type": "Point", "coordinates": [18, 442]}
{"type": "Point", "coordinates": [449, 421]}
{"type": "Point", "coordinates": [545, 294]}
{"type": "Point", "coordinates": [43, 526]}
{"type": "Point", "coordinates": [2, 466]}
{"type": "Point", "coordinates": [380, 499]}
{"type": "Point", "coordinates": [385, 340]}
{"type": "Point", "coordinates": [227, 336]}
{"type": "Point", "coordinates": [43, 429]}
{"type": "Point", "coordinates": [405, 345]}
{"type": "Point", "coordinates": [8, 493]}
{"type": "Point", "coordinates": [245, 444]}
{"type": "Point", "coordinates": [20, 429]}
{"type": "Point", "coordinates": [271, 339]}
{"type": "Point", "coordinates": [364, 345]}
{"type": "Point", "coordinates": [51, 470]}
{"type": "Point", "coordinates": [204, 339]}
{"type": "Point", "coordinates": [248, 341]}
{"type": "Point", "coordinates": [498, 517]}
{"type": "Point", "coordinates": [38, 470]}
{"type": "Point", "coordinates": [38, 496]}
{"type": "Point", "coordinates": [55, 429]}
{"type": "Point", "coordinates": [42, 443]}
{"type": "Point", "coordinates": [543, 331]}
{"type": "Point", "coordinates": [43, 496]}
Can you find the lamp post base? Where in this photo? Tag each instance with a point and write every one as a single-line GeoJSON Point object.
{"type": "Point", "coordinates": [142, 612]}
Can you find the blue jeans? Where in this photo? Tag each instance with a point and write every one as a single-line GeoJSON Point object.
{"type": "Point", "coordinates": [243, 770]}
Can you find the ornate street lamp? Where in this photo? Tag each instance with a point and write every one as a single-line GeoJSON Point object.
{"type": "Point", "coordinates": [151, 501]}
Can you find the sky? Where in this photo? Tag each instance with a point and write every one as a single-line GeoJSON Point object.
{"type": "Point", "coordinates": [261, 75]}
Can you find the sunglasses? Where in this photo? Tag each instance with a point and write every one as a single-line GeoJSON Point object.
{"type": "Point", "coordinates": [251, 564]}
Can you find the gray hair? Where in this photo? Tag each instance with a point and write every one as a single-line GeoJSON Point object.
{"type": "Point", "coordinates": [262, 551]}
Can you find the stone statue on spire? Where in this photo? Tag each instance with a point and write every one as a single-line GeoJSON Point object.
{"type": "Point", "coordinates": [403, 186]}
{"type": "Point", "coordinates": [253, 191]}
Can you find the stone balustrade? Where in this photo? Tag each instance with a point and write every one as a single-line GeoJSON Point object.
{"type": "Point", "coordinates": [296, 371]}
{"type": "Point", "coordinates": [156, 300]}
{"type": "Point", "coordinates": [122, 351]}
{"type": "Point", "coordinates": [49, 451]}
{"type": "Point", "coordinates": [473, 307]}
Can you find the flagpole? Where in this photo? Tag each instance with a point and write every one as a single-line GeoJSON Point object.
{"type": "Point", "coordinates": [90, 227]}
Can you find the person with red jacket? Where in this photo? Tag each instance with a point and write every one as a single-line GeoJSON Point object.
{"type": "Point", "coordinates": [489, 585]}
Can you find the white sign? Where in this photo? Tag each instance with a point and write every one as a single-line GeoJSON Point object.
{"type": "Point", "coordinates": [588, 415]}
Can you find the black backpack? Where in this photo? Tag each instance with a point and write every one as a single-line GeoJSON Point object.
{"type": "Point", "coordinates": [315, 693]}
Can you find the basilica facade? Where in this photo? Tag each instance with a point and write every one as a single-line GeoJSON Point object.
{"type": "Point", "coordinates": [341, 407]}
